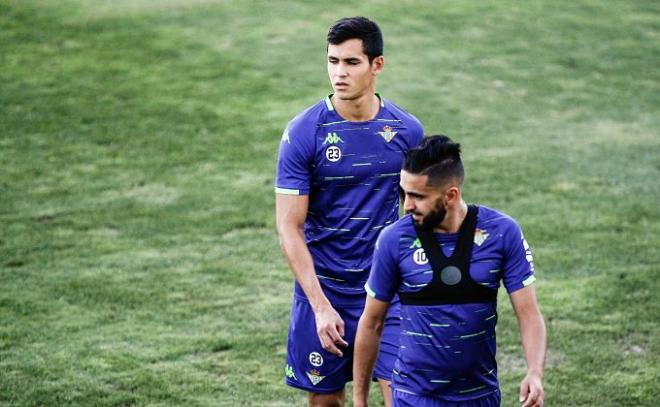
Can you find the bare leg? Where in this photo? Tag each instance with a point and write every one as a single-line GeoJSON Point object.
{"type": "Point", "coordinates": [326, 400]}
{"type": "Point", "coordinates": [386, 390]}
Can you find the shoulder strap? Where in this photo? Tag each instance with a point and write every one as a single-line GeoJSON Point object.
{"type": "Point", "coordinates": [433, 251]}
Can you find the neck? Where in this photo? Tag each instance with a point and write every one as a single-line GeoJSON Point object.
{"type": "Point", "coordinates": [453, 220]}
{"type": "Point", "coordinates": [364, 108]}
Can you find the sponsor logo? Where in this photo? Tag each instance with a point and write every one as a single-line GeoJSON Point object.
{"type": "Point", "coordinates": [387, 133]}
{"type": "Point", "coordinates": [480, 236]}
{"type": "Point", "coordinates": [333, 153]}
{"type": "Point", "coordinates": [416, 244]}
{"type": "Point", "coordinates": [332, 138]}
{"type": "Point", "coordinates": [285, 136]}
{"type": "Point", "coordinates": [528, 255]}
{"type": "Point", "coordinates": [315, 376]}
{"type": "Point", "coordinates": [419, 257]}
{"type": "Point", "coordinates": [315, 359]}
{"type": "Point", "coordinates": [288, 371]}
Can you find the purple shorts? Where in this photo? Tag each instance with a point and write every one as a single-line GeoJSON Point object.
{"type": "Point", "coordinates": [404, 399]}
{"type": "Point", "coordinates": [311, 368]}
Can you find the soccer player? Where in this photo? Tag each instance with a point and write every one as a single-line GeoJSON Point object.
{"type": "Point", "coordinates": [336, 189]}
{"type": "Point", "coordinates": [445, 259]}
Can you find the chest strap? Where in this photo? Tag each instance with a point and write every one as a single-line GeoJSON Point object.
{"type": "Point", "coordinates": [451, 282]}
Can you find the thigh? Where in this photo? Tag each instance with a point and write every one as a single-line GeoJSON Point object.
{"type": "Point", "coordinates": [308, 366]}
{"type": "Point", "coordinates": [336, 399]}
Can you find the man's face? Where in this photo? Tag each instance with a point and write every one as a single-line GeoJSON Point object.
{"type": "Point", "coordinates": [350, 72]}
{"type": "Point", "coordinates": [425, 203]}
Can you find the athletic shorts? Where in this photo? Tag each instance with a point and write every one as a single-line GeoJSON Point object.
{"type": "Point", "coordinates": [311, 368]}
{"type": "Point", "coordinates": [404, 399]}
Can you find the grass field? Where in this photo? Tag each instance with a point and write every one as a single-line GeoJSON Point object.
{"type": "Point", "coordinates": [138, 259]}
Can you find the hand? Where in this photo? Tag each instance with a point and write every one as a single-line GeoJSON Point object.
{"type": "Point", "coordinates": [531, 391]}
{"type": "Point", "coordinates": [330, 329]}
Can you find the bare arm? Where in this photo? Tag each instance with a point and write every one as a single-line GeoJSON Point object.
{"type": "Point", "coordinates": [533, 336]}
{"type": "Point", "coordinates": [290, 214]}
{"type": "Point", "coordinates": [367, 339]}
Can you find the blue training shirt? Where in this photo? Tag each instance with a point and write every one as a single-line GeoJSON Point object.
{"type": "Point", "coordinates": [350, 170]}
{"type": "Point", "coordinates": [448, 351]}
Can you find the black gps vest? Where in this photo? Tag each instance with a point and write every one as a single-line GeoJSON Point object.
{"type": "Point", "coordinates": [451, 282]}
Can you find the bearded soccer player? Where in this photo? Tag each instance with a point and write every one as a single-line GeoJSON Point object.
{"type": "Point", "coordinates": [445, 259]}
{"type": "Point", "coordinates": [336, 189]}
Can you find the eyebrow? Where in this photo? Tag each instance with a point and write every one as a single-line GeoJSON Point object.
{"type": "Point", "coordinates": [415, 194]}
{"type": "Point", "coordinates": [348, 59]}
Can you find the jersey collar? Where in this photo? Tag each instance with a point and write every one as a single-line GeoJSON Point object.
{"type": "Point", "coordinates": [330, 107]}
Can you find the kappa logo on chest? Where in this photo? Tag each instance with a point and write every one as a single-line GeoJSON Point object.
{"type": "Point", "coordinates": [333, 152]}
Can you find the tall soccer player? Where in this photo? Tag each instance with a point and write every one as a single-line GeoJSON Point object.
{"type": "Point", "coordinates": [446, 259]}
{"type": "Point", "coordinates": [336, 189]}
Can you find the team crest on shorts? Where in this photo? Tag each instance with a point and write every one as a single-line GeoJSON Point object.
{"type": "Point", "coordinates": [480, 236]}
{"type": "Point", "coordinates": [387, 133]}
{"type": "Point", "coordinates": [315, 376]}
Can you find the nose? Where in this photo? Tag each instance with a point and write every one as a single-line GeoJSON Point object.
{"type": "Point", "coordinates": [340, 70]}
{"type": "Point", "coordinates": [408, 204]}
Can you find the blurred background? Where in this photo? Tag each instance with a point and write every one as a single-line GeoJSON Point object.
{"type": "Point", "coordinates": [139, 263]}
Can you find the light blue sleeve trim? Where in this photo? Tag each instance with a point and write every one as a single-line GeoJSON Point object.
{"type": "Point", "coordinates": [285, 191]}
{"type": "Point", "coordinates": [371, 292]}
{"type": "Point", "coordinates": [529, 280]}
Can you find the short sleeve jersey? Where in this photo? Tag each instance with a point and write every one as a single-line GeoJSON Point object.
{"type": "Point", "coordinates": [350, 170]}
{"type": "Point", "coordinates": [448, 351]}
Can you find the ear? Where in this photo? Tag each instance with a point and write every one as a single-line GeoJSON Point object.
{"type": "Point", "coordinates": [453, 194]}
{"type": "Point", "coordinates": [377, 65]}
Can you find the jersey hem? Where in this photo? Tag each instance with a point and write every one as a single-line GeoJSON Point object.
{"type": "Point", "coordinates": [443, 398]}
{"type": "Point", "coordinates": [351, 304]}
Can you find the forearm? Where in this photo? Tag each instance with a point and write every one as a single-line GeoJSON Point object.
{"type": "Point", "coordinates": [533, 337]}
{"type": "Point", "coordinates": [367, 341]}
{"type": "Point", "coordinates": [296, 252]}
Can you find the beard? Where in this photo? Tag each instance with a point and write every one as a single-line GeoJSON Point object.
{"type": "Point", "coordinates": [434, 218]}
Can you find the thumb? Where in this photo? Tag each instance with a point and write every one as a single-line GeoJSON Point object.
{"type": "Point", "coordinates": [524, 390]}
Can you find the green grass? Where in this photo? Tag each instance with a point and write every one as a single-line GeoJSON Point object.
{"type": "Point", "coordinates": [138, 258]}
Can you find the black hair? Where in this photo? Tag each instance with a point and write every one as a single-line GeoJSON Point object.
{"type": "Point", "coordinates": [437, 156]}
{"type": "Point", "coordinates": [360, 28]}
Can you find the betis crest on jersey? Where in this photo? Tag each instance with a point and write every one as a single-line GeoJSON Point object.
{"type": "Point", "coordinates": [387, 133]}
{"type": "Point", "coordinates": [480, 236]}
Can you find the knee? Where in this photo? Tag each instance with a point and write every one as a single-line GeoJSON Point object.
{"type": "Point", "coordinates": [326, 400]}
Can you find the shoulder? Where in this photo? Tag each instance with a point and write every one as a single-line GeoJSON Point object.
{"type": "Point", "coordinates": [490, 218]}
{"type": "Point", "coordinates": [400, 230]}
{"type": "Point", "coordinates": [402, 114]}
{"type": "Point", "coordinates": [308, 119]}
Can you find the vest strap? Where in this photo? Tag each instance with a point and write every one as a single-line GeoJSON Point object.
{"type": "Point", "coordinates": [451, 282]}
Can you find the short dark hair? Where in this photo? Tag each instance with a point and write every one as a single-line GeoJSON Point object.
{"type": "Point", "coordinates": [360, 28]}
{"type": "Point", "coordinates": [437, 156]}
